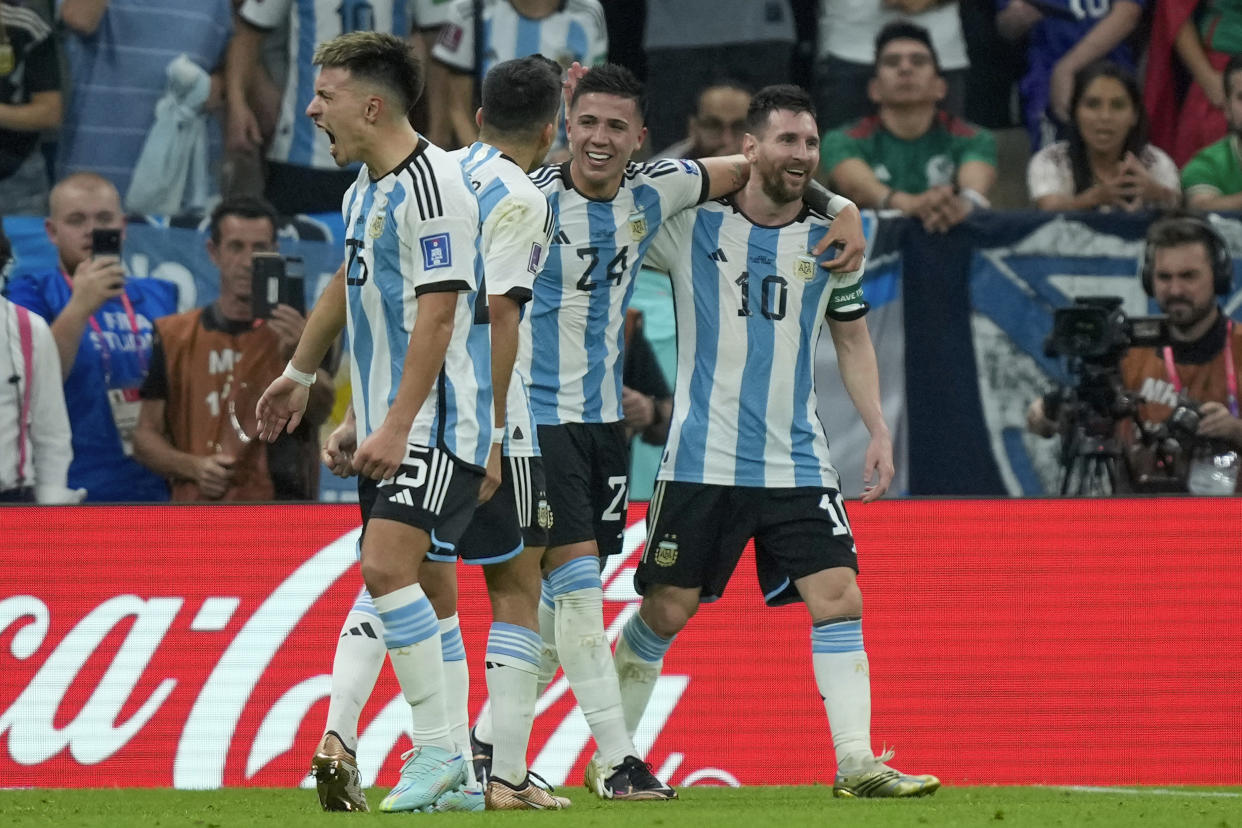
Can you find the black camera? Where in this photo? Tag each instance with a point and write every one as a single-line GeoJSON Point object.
{"type": "Point", "coordinates": [276, 280]}
{"type": "Point", "coordinates": [1095, 329]}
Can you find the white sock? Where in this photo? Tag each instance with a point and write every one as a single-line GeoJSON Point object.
{"type": "Point", "coordinates": [586, 656]}
{"type": "Point", "coordinates": [639, 659]}
{"type": "Point", "coordinates": [359, 658]}
{"type": "Point", "coordinates": [457, 688]}
{"type": "Point", "coordinates": [844, 680]}
{"type": "Point", "coordinates": [512, 673]}
{"type": "Point", "coordinates": [412, 636]}
{"type": "Point", "coordinates": [549, 661]}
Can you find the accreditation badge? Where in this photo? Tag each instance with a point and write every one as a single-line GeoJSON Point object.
{"type": "Point", "coordinates": [804, 267]}
{"type": "Point", "coordinates": [638, 226]}
{"type": "Point", "coordinates": [8, 61]}
{"type": "Point", "coordinates": [125, 404]}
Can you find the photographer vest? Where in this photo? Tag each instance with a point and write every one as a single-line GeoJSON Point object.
{"type": "Point", "coordinates": [214, 378]}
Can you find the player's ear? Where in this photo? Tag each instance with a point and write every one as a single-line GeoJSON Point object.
{"type": "Point", "coordinates": [642, 135]}
{"type": "Point", "coordinates": [478, 117]}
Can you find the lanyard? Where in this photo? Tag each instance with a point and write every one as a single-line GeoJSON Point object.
{"type": "Point", "coordinates": [104, 351]}
{"type": "Point", "coordinates": [1231, 376]}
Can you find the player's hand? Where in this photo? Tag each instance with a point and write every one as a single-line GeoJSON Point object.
{"type": "Point", "coordinates": [638, 409]}
{"type": "Point", "coordinates": [338, 449]}
{"type": "Point", "coordinates": [96, 280]}
{"type": "Point", "coordinates": [491, 474]}
{"type": "Point", "coordinates": [572, 75]}
{"type": "Point", "coordinates": [1217, 423]}
{"type": "Point", "coordinates": [381, 453]}
{"type": "Point", "coordinates": [280, 408]}
{"type": "Point", "coordinates": [288, 325]}
{"type": "Point", "coordinates": [846, 232]}
{"type": "Point", "coordinates": [214, 474]}
{"type": "Point", "coordinates": [878, 465]}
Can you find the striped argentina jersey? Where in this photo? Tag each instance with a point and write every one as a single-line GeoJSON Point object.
{"type": "Point", "coordinates": [412, 232]}
{"type": "Point", "coordinates": [311, 22]}
{"type": "Point", "coordinates": [515, 231]}
{"type": "Point", "coordinates": [750, 304]}
{"type": "Point", "coordinates": [577, 316]}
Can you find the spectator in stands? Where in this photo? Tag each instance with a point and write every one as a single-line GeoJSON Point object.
{"type": "Point", "coordinates": [690, 43]}
{"type": "Point", "coordinates": [566, 31]}
{"type": "Point", "coordinates": [210, 365]}
{"type": "Point", "coordinates": [34, 425]}
{"type": "Point", "coordinates": [911, 155]}
{"type": "Point", "coordinates": [646, 399]}
{"type": "Point", "coordinates": [119, 51]}
{"type": "Point", "coordinates": [1187, 269]}
{"type": "Point", "coordinates": [717, 124]}
{"type": "Point", "coordinates": [102, 322]}
{"type": "Point", "coordinates": [30, 101]}
{"type": "Point", "coordinates": [1213, 178]}
{"type": "Point", "coordinates": [1061, 37]}
{"type": "Point", "coordinates": [1203, 34]}
{"type": "Point", "coordinates": [1106, 162]}
{"type": "Point", "coordinates": [301, 176]}
{"type": "Point", "coordinates": [844, 64]}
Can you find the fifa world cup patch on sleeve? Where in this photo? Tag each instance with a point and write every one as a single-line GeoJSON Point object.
{"type": "Point", "coordinates": [536, 256]}
{"type": "Point", "coordinates": [437, 252]}
{"type": "Point", "coordinates": [689, 166]}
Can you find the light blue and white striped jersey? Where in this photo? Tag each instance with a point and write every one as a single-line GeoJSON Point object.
{"type": "Point", "coordinates": [413, 232]}
{"type": "Point", "coordinates": [577, 316]}
{"type": "Point", "coordinates": [574, 32]}
{"type": "Point", "coordinates": [310, 23]}
{"type": "Point", "coordinates": [515, 232]}
{"type": "Point", "coordinates": [750, 304]}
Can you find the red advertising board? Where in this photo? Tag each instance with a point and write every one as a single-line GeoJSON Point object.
{"type": "Point", "coordinates": [1010, 642]}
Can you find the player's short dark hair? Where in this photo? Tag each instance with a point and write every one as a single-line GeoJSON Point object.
{"type": "Point", "coordinates": [905, 30]}
{"type": "Point", "coordinates": [379, 58]}
{"type": "Point", "coordinates": [246, 207]}
{"type": "Point", "coordinates": [771, 98]}
{"type": "Point", "coordinates": [613, 79]}
{"type": "Point", "coordinates": [1234, 64]}
{"type": "Point", "coordinates": [522, 95]}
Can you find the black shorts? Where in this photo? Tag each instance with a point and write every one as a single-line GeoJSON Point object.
{"type": "Point", "coordinates": [587, 467]}
{"type": "Point", "coordinates": [516, 517]}
{"type": "Point", "coordinates": [432, 491]}
{"type": "Point", "coordinates": [696, 534]}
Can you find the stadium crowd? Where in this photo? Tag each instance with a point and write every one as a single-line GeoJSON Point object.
{"type": "Point", "coordinates": [928, 108]}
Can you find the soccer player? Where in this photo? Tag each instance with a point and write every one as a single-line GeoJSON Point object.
{"type": "Point", "coordinates": [420, 364]}
{"type": "Point", "coordinates": [747, 456]}
{"type": "Point", "coordinates": [606, 213]}
{"type": "Point", "coordinates": [509, 531]}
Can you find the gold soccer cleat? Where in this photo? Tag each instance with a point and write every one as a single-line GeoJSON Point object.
{"type": "Point", "coordinates": [872, 779]}
{"type": "Point", "coordinates": [336, 776]}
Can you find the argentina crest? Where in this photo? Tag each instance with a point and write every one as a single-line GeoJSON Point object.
{"type": "Point", "coordinates": [666, 551]}
{"type": "Point", "coordinates": [804, 267]}
{"type": "Point", "coordinates": [638, 225]}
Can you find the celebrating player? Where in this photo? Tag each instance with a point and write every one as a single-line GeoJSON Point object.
{"type": "Point", "coordinates": [419, 363]}
{"type": "Point", "coordinates": [606, 212]}
{"type": "Point", "coordinates": [747, 456]}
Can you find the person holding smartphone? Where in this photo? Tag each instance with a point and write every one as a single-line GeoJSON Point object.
{"type": "Point", "coordinates": [208, 366]}
{"type": "Point", "coordinates": [102, 323]}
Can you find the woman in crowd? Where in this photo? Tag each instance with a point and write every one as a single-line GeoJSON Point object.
{"type": "Point", "coordinates": [1106, 163]}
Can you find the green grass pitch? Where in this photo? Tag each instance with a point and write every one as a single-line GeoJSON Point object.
{"type": "Point", "coordinates": [757, 807]}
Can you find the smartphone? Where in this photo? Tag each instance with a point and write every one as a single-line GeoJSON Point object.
{"type": "Point", "coordinates": [277, 280]}
{"type": "Point", "coordinates": [105, 242]}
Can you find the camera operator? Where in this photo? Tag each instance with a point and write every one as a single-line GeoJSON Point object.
{"type": "Point", "coordinates": [1191, 385]}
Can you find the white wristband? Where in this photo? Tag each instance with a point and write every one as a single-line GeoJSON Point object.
{"type": "Point", "coordinates": [836, 204]}
{"type": "Point", "coordinates": [300, 377]}
{"type": "Point", "coordinates": [498, 435]}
